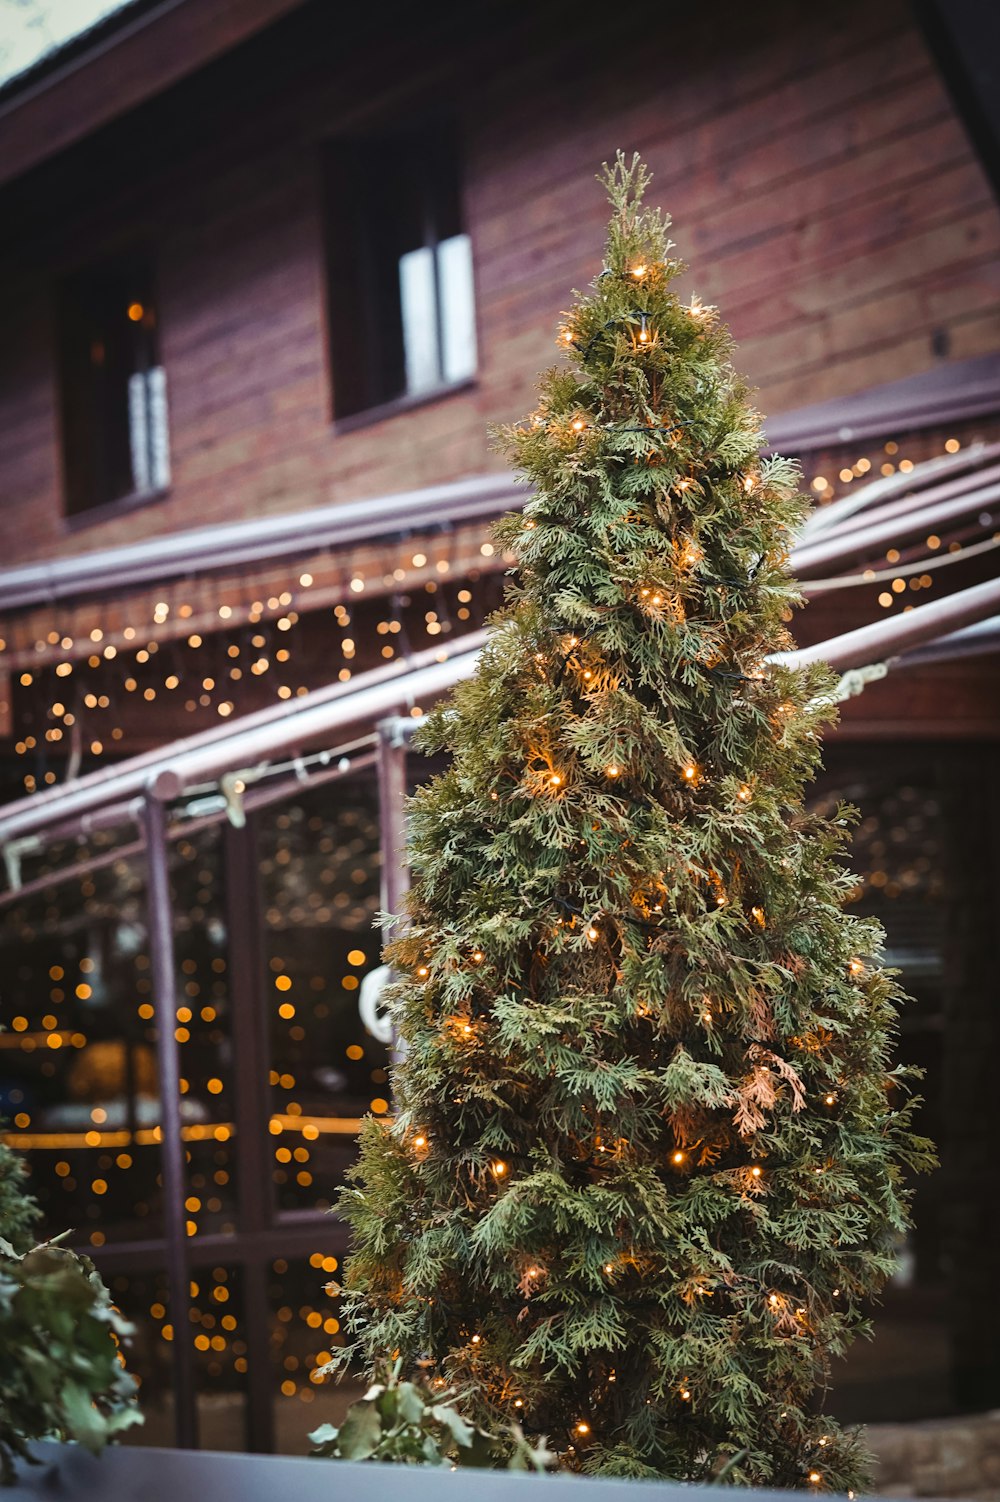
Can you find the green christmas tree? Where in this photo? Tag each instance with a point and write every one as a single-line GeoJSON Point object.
{"type": "Point", "coordinates": [647, 1162]}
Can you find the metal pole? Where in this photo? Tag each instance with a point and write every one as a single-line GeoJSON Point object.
{"type": "Point", "coordinates": [392, 827]}
{"type": "Point", "coordinates": [887, 638]}
{"type": "Point", "coordinates": [251, 1097]}
{"type": "Point", "coordinates": [392, 822]}
{"type": "Point", "coordinates": [889, 525]}
{"type": "Point", "coordinates": [161, 949]}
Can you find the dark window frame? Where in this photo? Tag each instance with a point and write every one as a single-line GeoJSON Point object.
{"type": "Point", "coordinates": [95, 329]}
{"type": "Point", "coordinates": [419, 200]}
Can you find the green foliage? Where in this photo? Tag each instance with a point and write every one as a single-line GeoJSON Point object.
{"type": "Point", "coordinates": [407, 1423]}
{"type": "Point", "coordinates": [61, 1376]}
{"type": "Point", "coordinates": [647, 1166]}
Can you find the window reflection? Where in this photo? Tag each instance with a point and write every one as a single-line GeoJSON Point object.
{"type": "Point", "coordinates": [320, 864]}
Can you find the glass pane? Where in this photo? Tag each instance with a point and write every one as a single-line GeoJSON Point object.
{"type": "Point", "coordinates": [320, 864]}
{"type": "Point", "coordinates": [78, 1066]}
{"type": "Point", "coordinates": [78, 1071]}
{"type": "Point", "coordinates": [420, 337]}
{"type": "Point", "coordinates": [458, 308]}
{"type": "Point", "coordinates": [202, 1015]}
{"type": "Point", "coordinates": [901, 853]}
{"type": "Point", "coordinates": [216, 1330]}
{"type": "Point", "coordinates": [305, 1330]}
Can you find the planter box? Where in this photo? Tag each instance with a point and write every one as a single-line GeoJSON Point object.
{"type": "Point", "coordinates": [134, 1474]}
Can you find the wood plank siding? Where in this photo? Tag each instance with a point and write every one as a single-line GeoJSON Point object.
{"type": "Point", "coordinates": [819, 179]}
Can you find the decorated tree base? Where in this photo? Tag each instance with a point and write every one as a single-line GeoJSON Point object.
{"type": "Point", "coordinates": [646, 1167]}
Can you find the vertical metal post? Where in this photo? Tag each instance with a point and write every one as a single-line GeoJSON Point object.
{"type": "Point", "coordinates": [251, 1062]}
{"type": "Point", "coordinates": [161, 949]}
{"type": "Point", "coordinates": [392, 822]}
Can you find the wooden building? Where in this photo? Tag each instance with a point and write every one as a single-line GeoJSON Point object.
{"type": "Point", "coordinates": [269, 270]}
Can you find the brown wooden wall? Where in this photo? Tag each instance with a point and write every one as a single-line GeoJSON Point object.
{"type": "Point", "coordinates": [819, 179]}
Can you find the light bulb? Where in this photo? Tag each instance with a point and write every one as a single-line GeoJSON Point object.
{"type": "Point", "coordinates": [690, 772]}
{"type": "Point", "coordinates": [420, 1141]}
{"type": "Point", "coordinates": [678, 1157]}
{"type": "Point", "coordinates": [578, 425]}
{"type": "Point", "coordinates": [582, 1428]}
{"type": "Point", "coordinates": [592, 933]}
{"type": "Point", "coordinates": [744, 794]}
{"type": "Point", "coordinates": [614, 771]}
{"type": "Point", "coordinates": [756, 1171]}
{"type": "Point", "coordinates": [499, 1168]}
{"type": "Point", "coordinates": [638, 271]}
{"type": "Point", "coordinates": [555, 780]}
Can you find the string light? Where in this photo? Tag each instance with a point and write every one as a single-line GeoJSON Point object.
{"type": "Point", "coordinates": [583, 1427]}
{"type": "Point", "coordinates": [677, 1157]}
{"type": "Point", "coordinates": [613, 771]}
{"type": "Point", "coordinates": [499, 1168]}
{"type": "Point", "coordinates": [744, 794]}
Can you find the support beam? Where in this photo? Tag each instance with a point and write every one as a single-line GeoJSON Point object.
{"type": "Point", "coordinates": [161, 949]}
{"type": "Point", "coordinates": [887, 639]}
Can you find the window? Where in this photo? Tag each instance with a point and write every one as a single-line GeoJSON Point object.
{"type": "Point", "coordinates": [114, 395]}
{"type": "Point", "coordinates": [401, 302]}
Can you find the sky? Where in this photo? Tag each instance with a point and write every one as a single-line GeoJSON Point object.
{"type": "Point", "coordinates": [31, 28]}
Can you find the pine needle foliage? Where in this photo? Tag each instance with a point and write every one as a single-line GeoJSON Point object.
{"type": "Point", "coordinates": [648, 1160]}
